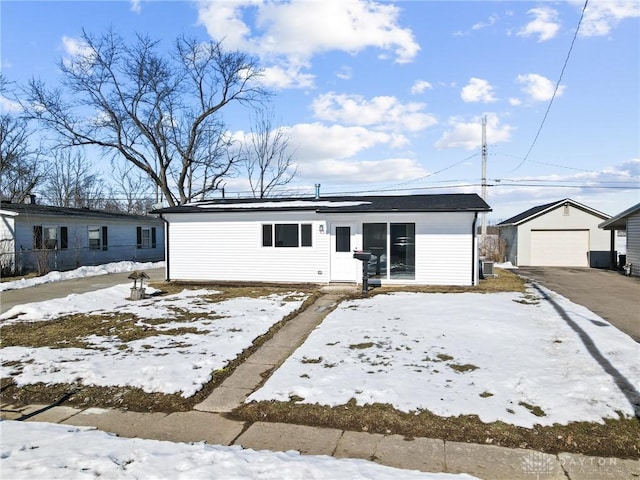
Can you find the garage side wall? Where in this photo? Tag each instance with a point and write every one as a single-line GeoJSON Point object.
{"type": "Point", "coordinates": [561, 220]}
{"type": "Point", "coordinates": [633, 243]}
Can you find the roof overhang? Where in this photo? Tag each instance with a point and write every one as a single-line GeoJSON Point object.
{"type": "Point", "coordinates": [619, 222]}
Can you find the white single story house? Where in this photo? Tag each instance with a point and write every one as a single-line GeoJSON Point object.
{"type": "Point", "coordinates": [42, 238]}
{"type": "Point", "coordinates": [414, 239]}
{"type": "Point", "coordinates": [564, 233]}
{"type": "Point", "coordinates": [628, 220]}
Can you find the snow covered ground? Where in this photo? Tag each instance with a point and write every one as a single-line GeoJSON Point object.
{"type": "Point", "coordinates": [166, 362]}
{"type": "Point", "coordinates": [494, 355]}
{"type": "Point", "coordinates": [35, 451]}
{"type": "Point", "coordinates": [81, 272]}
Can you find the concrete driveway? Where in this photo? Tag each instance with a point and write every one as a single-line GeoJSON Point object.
{"type": "Point", "coordinates": [608, 293]}
{"type": "Point", "coordinates": [47, 291]}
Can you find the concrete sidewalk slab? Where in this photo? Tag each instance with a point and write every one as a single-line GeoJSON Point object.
{"type": "Point", "coordinates": [53, 414]}
{"type": "Point", "coordinates": [124, 424]}
{"type": "Point", "coordinates": [424, 454]}
{"type": "Point", "coordinates": [358, 445]}
{"type": "Point", "coordinates": [490, 461]}
{"type": "Point", "coordinates": [195, 427]}
{"type": "Point", "coordinates": [223, 399]}
{"type": "Point", "coordinates": [247, 375]}
{"type": "Point", "coordinates": [285, 436]}
{"type": "Point", "coordinates": [582, 467]}
{"type": "Point", "coordinates": [270, 354]}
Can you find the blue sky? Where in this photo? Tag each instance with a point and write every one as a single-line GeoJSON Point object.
{"type": "Point", "coordinates": [389, 96]}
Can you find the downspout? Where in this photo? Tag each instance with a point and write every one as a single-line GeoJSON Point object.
{"type": "Point", "coordinates": [612, 252]}
{"type": "Point", "coordinates": [473, 249]}
{"type": "Point", "coordinates": [166, 249]}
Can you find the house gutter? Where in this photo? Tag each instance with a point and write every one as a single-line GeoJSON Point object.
{"type": "Point", "coordinates": [166, 249]}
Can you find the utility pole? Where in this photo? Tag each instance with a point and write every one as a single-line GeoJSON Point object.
{"type": "Point", "coordinates": [484, 179]}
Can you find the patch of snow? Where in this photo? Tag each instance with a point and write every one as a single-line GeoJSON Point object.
{"type": "Point", "coordinates": [492, 355]}
{"type": "Point", "coordinates": [505, 265]}
{"type": "Point", "coordinates": [46, 451]}
{"type": "Point", "coordinates": [166, 362]}
{"type": "Point", "coordinates": [56, 276]}
{"type": "Point", "coordinates": [284, 204]}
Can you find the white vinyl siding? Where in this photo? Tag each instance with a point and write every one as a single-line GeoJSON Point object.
{"type": "Point", "coordinates": [222, 248]}
{"type": "Point", "coordinates": [560, 248]}
{"type": "Point", "coordinates": [633, 243]}
{"type": "Point", "coordinates": [445, 249]}
{"type": "Point", "coordinates": [229, 247]}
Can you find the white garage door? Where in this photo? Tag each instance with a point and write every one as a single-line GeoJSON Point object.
{"type": "Point", "coordinates": [560, 248]}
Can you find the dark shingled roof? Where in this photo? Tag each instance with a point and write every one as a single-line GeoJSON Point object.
{"type": "Point", "coordinates": [528, 213]}
{"type": "Point", "coordinates": [456, 202]}
{"type": "Point", "coordinates": [619, 222]}
{"type": "Point", "coordinates": [36, 209]}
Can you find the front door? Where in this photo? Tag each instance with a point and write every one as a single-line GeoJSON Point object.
{"type": "Point", "coordinates": [344, 268]}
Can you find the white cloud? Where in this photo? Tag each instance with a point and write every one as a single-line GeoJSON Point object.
{"type": "Point", "coordinates": [77, 52]}
{"type": "Point", "coordinates": [318, 141]}
{"type": "Point", "coordinates": [419, 86]}
{"type": "Point", "coordinates": [293, 32]}
{"type": "Point", "coordinates": [478, 90]}
{"type": "Point", "coordinates": [515, 102]}
{"type": "Point", "coordinates": [468, 134]}
{"type": "Point", "coordinates": [344, 73]}
{"type": "Point", "coordinates": [385, 112]}
{"type": "Point", "coordinates": [286, 76]}
{"type": "Point", "coordinates": [480, 25]}
{"type": "Point", "coordinates": [602, 16]}
{"type": "Point", "coordinates": [385, 171]}
{"type": "Point", "coordinates": [545, 24]}
{"type": "Point", "coordinates": [9, 106]}
{"type": "Point", "coordinates": [136, 6]}
{"type": "Point", "coordinates": [538, 88]}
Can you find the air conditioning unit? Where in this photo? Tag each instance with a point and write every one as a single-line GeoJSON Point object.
{"type": "Point", "coordinates": [487, 268]}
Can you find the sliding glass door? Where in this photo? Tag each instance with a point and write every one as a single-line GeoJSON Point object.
{"type": "Point", "coordinates": [393, 247]}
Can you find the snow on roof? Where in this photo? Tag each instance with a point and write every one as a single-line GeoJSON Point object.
{"type": "Point", "coordinates": [284, 204]}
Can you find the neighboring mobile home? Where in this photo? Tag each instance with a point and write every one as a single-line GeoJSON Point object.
{"type": "Point", "coordinates": [415, 239]}
{"type": "Point", "coordinates": [42, 238]}
{"type": "Point", "coordinates": [628, 220]}
{"type": "Point", "coordinates": [564, 233]}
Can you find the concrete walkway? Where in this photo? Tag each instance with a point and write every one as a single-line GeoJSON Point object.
{"type": "Point", "coordinates": [208, 423]}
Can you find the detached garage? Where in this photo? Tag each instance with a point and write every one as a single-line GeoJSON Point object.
{"type": "Point", "coordinates": [559, 234]}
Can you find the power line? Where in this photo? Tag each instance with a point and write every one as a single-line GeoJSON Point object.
{"type": "Point", "coordinates": [555, 91]}
{"type": "Point", "coordinates": [572, 168]}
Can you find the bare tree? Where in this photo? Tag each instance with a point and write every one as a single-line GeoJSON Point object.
{"type": "Point", "coordinates": [72, 183]}
{"type": "Point", "coordinates": [20, 168]}
{"type": "Point", "coordinates": [131, 192]}
{"type": "Point", "coordinates": [267, 156]}
{"type": "Point", "coordinates": [161, 113]}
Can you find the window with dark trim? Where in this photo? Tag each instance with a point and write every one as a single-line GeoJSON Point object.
{"type": "Point", "coordinates": [305, 235]}
{"type": "Point", "coordinates": [146, 237]}
{"type": "Point", "coordinates": [287, 235]}
{"type": "Point", "coordinates": [64, 238]}
{"type": "Point", "coordinates": [343, 239]}
{"type": "Point", "coordinates": [267, 235]}
{"type": "Point", "coordinates": [37, 237]}
{"type": "Point", "coordinates": [98, 239]}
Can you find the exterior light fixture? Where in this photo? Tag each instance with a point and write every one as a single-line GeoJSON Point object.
{"type": "Point", "coordinates": [321, 228]}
